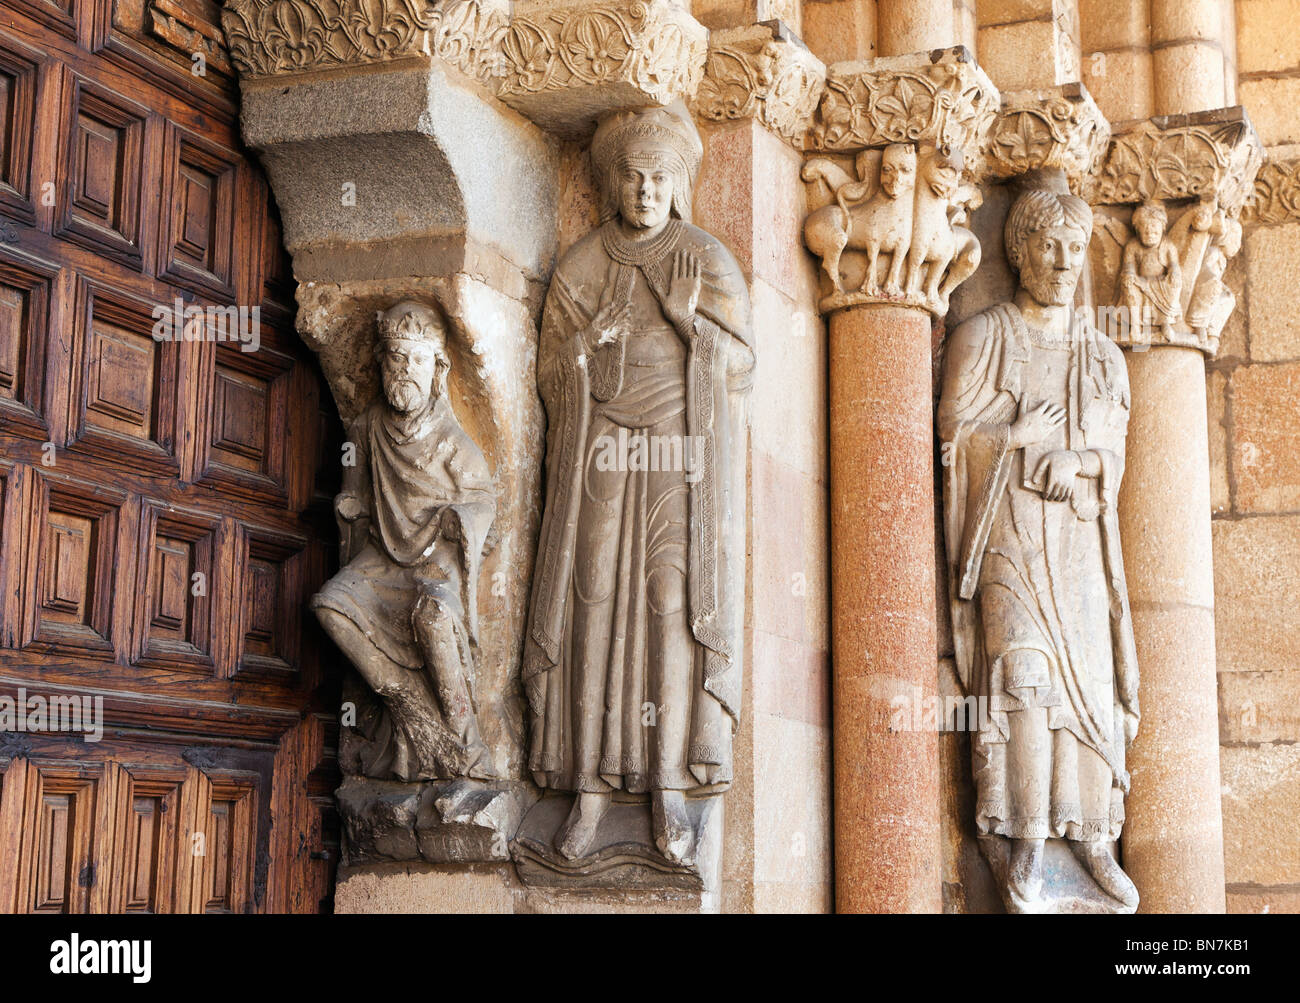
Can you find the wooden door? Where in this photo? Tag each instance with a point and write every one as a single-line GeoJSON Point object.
{"type": "Point", "coordinates": [162, 523]}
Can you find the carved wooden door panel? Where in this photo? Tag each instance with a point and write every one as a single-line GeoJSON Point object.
{"type": "Point", "coordinates": [161, 521]}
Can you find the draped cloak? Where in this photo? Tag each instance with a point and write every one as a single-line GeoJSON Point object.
{"type": "Point", "coordinates": [1051, 570]}
{"type": "Point", "coordinates": [412, 475]}
{"type": "Point", "coordinates": [580, 382]}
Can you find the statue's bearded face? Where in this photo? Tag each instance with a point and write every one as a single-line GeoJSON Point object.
{"type": "Point", "coordinates": [645, 185]}
{"type": "Point", "coordinates": [409, 370]}
{"type": "Point", "coordinates": [1051, 260]}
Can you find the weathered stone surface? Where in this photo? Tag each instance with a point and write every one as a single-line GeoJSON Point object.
{"type": "Point", "coordinates": [1260, 707]}
{"type": "Point", "coordinates": [1268, 36]}
{"type": "Point", "coordinates": [622, 853]}
{"type": "Point", "coordinates": [424, 888]}
{"type": "Point", "coordinates": [1216, 405]}
{"type": "Point", "coordinates": [570, 62]}
{"type": "Point", "coordinates": [441, 822]}
{"type": "Point", "coordinates": [1256, 580]}
{"type": "Point", "coordinates": [402, 163]}
{"type": "Point", "coordinates": [1272, 253]}
{"type": "Point", "coordinates": [1265, 413]}
{"type": "Point", "coordinates": [1261, 801]}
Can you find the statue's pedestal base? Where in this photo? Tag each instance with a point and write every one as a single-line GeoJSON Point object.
{"type": "Point", "coordinates": [438, 822]}
{"type": "Point", "coordinates": [623, 854]}
{"type": "Point", "coordinates": [1067, 886]}
{"type": "Point", "coordinates": [447, 847]}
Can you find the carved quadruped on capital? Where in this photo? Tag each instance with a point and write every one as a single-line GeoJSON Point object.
{"type": "Point", "coordinates": [1171, 193]}
{"type": "Point", "coordinates": [764, 73]}
{"type": "Point", "coordinates": [1059, 127]}
{"type": "Point", "coordinates": [279, 37]}
{"type": "Point", "coordinates": [568, 63]}
{"type": "Point", "coordinates": [901, 142]}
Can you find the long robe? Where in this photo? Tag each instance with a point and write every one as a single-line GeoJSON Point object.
{"type": "Point", "coordinates": [1031, 575]}
{"type": "Point", "coordinates": [633, 659]}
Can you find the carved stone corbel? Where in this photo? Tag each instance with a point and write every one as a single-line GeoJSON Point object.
{"type": "Point", "coordinates": [1169, 198]}
{"type": "Point", "coordinates": [764, 73]}
{"type": "Point", "coordinates": [904, 138]}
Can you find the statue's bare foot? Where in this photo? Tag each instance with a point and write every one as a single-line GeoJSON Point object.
{"type": "Point", "coordinates": [1110, 877]}
{"type": "Point", "coordinates": [1025, 870]}
{"type": "Point", "coordinates": [579, 829]}
{"type": "Point", "coordinates": [671, 825]}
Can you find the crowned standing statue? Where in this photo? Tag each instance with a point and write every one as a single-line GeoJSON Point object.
{"type": "Point", "coordinates": [632, 665]}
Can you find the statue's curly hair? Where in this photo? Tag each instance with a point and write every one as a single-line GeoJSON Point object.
{"type": "Point", "coordinates": [1036, 210]}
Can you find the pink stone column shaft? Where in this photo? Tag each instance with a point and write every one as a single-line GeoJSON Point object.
{"type": "Point", "coordinates": [887, 841]}
{"type": "Point", "coordinates": [1173, 834]}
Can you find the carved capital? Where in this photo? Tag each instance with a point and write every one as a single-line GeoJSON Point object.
{"type": "Point", "coordinates": [927, 98]}
{"type": "Point", "coordinates": [1159, 267]}
{"type": "Point", "coordinates": [904, 138]}
{"type": "Point", "coordinates": [277, 37]}
{"type": "Point", "coordinates": [1213, 154]}
{"type": "Point", "coordinates": [761, 72]}
{"type": "Point", "coordinates": [567, 64]}
{"type": "Point", "coordinates": [888, 226]}
{"type": "Point", "coordinates": [1276, 198]}
{"type": "Point", "coordinates": [1059, 127]}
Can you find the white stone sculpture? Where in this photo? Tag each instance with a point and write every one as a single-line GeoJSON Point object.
{"type": "Point", "coordinates": [1033, 417]}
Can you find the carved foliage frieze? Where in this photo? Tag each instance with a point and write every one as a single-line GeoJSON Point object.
{"type": "Point", "coordinates": [763, 74]}
{"type": "Point", "coordinates": [908, 99]}
{"type": "Point", "coordinates": [272, 37]}
{"type": "Point", "coordinates": [653, 46]}
{"type": "Point", "coordinates": [1061, 127]}
{"type": "Point", "coordinates": [1214, 154]}
{"type": "Point", "coordinates": [1276, 198]}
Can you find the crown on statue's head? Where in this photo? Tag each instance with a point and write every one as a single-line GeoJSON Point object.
{"type": "Point", "coordinates": [411, 321]}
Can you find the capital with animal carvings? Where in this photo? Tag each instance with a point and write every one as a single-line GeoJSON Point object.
{"type": "Point", "coordinates": [894, 153]}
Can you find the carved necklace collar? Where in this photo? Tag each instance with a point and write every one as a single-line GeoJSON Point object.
{"type": "Point", "coordinates": [639, 253]}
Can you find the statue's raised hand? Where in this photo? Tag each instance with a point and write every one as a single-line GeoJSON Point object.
{"type": "Point", "coordinates": [1036, 424]}
{"type": "Point", "coordinates": [684, 288]}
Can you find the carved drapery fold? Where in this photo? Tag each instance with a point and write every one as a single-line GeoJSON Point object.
{"type": "Point", "coordinates": [764, 73]}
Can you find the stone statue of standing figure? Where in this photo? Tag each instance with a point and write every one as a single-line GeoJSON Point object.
{"type": "Point", "coordinates": [1034, 413]}
{"type": "Point", "coordinates": [414, 515]}
{"type": "Point", "coordinates": [632, 665]}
